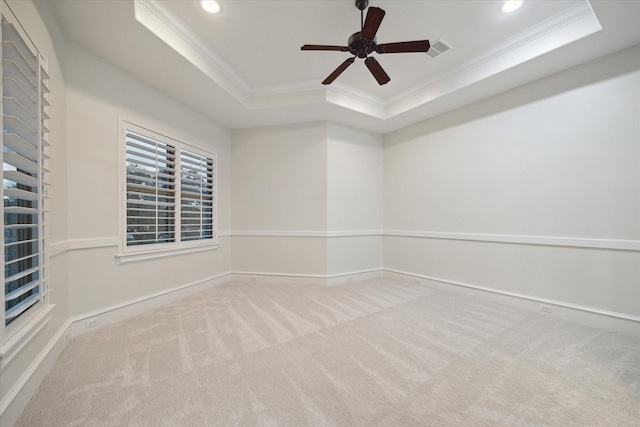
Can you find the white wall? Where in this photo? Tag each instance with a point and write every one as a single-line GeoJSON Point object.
{"type": "Point", "coordinates": [88, 95]}
{"type": "Point", "coordinates": [279, 178]}
{"type": "Point", "coordinates": [306, 199]}
{"type": "Point", "coordinates": [355, 165]}
{"type": "Point", "coordinates": [556, 158]}
{"type": "Point", "coordinates": [97, 94]}
{"type": "Point", "coordinates": [279, 199]}
{"type": "Point", "coordinates": [355, 177]}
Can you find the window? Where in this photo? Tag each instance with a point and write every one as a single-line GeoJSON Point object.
{"type": "Point", "coordinates": [24, 157]}
{"type": "Point", "coordinates": [151, 190]}
{"type": "Point", "coordinates": [196, 196]}
{"type": "Point", "coordinates": [169, 197]}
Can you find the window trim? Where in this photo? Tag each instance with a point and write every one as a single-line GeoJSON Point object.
{"type": "Point", "coordinates": [12, 346]}
{"type": "Point", "coordinates": [14, 336]}
{"type": "Point", "coordinates": [158, 250]}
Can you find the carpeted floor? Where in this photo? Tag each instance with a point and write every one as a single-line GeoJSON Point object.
{"type": "Point", "coordinates": [379, 352]}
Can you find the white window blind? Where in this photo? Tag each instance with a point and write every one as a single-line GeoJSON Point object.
{"type": "Point", "coordinates": [24, 158]}
{"type": "Point", "coordinates": [196, 202]}
{"type": "Point", "coordinates": [170, 192]}
{"type": "Point", "coordinates": [151, 190]}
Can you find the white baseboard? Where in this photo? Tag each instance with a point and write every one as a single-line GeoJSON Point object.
{"type": "Point", "coordinates": [119, 312]}
{"type": "Point", "coordinates": [589, 316]}
{"type": "Point", "coordinates": [357, 276]}
{"type": "Point", "coordinates": [21, 393]}
{"type": "Point", "coordinates": [307, 279]}
{"type": "Point", "coordinates": [19, 396]}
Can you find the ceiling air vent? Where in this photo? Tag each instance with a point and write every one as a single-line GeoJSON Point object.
{"type": "Point", "coordinates": [438, 47]}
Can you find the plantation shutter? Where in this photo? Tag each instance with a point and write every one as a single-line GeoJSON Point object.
{"type": "Point", "coordinates": [196, 196]}
{"type": "Point", "coordinates": [151, 190]}
{"type": "Point", "coordinates": [24, 154]}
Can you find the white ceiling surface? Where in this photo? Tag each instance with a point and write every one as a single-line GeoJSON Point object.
{"type": "Point", "coordinates": [244, 67]}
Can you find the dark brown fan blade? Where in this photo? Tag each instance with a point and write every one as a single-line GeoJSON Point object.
{"type": "Point", "coordinates": [402, 47]}
{"type": "Point", "coordinates": [377, 71]}
{"type": "Point", "coordinates": [324, 47]}
{"type": "Point", "coordinates": [338, 71]}
{"type": "Point", "coordinates": [372, 23]}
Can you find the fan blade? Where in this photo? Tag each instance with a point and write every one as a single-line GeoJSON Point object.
{"type": "Point", "coordinates": [402, 47]}
{"type": "Point", "coordinates": [324, 47]}
{"type": "Point", "coordinates": [338, 71]}
{"type": "Point", "coordinates": [372, 23]}
{"type": "Point", "coordinates": [377, 71]}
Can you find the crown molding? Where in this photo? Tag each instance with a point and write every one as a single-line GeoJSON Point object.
{"type": "Point", "coordinates": [358, 101]}
{"type": "Point", "coordinates": [570, 25]}
{"type": "Point", "coordinates": [168, 28]}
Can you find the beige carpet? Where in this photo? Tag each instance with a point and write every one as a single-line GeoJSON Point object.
{"type": "Point", "coordinates": [379, 352]}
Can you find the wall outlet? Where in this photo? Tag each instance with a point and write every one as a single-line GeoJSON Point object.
{"type": "Point", "coordinates": [545, 308]}
{"type": "Point", "coordinates": [416, 280]}
{"type": "Point", "coordinates": [349, 279]}
{"type": "Point", "coordinates": [402, 278]}
{"type": "Point", "coordinates": [92, 323]}
{"type": "Point", "coordinates": [254, 278]}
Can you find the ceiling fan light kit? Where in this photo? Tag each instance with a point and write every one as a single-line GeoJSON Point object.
{"type": "Point", "coordinates": [363, 43]}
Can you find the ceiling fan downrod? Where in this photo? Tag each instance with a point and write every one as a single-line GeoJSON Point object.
{"type": "Point", "coordinates": [362, 5]}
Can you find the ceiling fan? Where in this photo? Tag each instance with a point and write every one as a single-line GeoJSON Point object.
{"type": "Point", "coordinates": [362, 43]}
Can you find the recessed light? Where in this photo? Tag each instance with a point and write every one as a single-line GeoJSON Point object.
{"type": "Point", "coordinates": [211, 6]}
{"type": "Point", "coordinates": [511, 6]}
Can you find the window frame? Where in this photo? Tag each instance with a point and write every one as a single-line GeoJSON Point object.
{"type": "Point", "coordinates": [18, 332]}
{"type": "Point", "coordinates": [127, 253]}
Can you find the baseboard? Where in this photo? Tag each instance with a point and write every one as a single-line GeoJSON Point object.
{"type": "Point", "coordinates": [21, 393]}
{"type": "Point", "coordinates": [119, 312]}
{"type": "Point", "coordinates": [19, 396]}
{"type": "Point", "coordinates": [307, 279]}
{"type": "Point", "coordinates": [589, 316]}
{"type": "Point", "coordinates": [339, 279]}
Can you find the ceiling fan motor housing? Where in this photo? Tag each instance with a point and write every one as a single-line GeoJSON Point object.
{"type": "Point", "coordinates": [359, 46]}
{"type": "Point", "coordinates": [364, 42]}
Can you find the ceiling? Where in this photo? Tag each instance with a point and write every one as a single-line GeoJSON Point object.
{"type": "Point", "coordinates": [244, 67]}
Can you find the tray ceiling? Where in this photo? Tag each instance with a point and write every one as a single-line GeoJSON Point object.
{"type": "Point", "coordinates": [244, 67]}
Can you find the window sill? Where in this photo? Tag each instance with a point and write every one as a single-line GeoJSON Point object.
{"type": "Point", "coordinates": [161, 253]}
{"type": "Point", "coordinates": [17, 342]}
